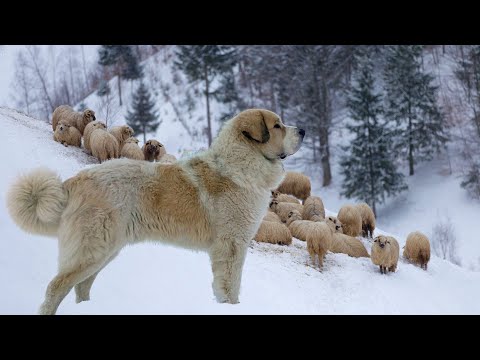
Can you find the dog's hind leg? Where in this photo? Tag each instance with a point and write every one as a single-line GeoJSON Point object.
{"type": "Point", "coordinates": [227, 256]}
{"type": "Point", "coordinates": [82, 290]}
{"type": "Point", "coordinates": [61, 285]}
{"type": "Point", "coordinates": [86, 242]}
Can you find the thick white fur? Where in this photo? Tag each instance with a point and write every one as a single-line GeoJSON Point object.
{"type": "Point", "coordinates": [113, 204]}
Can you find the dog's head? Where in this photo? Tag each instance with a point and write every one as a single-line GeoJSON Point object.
{"type": "Point", "coordinates": [131, 140]}
{"type": "Point", "coordinates": [381, 241]}
{"type": "Point", "coordinates": [266, 131]}
{"type": "Point", "coordinates": [88, 115]}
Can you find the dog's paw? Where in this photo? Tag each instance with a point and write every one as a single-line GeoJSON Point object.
{"type": "Point", "coordinates": [79, 299]}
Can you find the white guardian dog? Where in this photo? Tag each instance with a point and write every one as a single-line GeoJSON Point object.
{"type": "Point", "coordinates": [213, 201]}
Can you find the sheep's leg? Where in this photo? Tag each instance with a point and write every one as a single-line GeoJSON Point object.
{"type": "Point", "coordinates": [227, 255]}
{"type": "Point", "coordinates": [320, 261]}
{"type": "Point", "coordinates": [82, 290]}
{"type": "Point", "coordinates": [312, 257]}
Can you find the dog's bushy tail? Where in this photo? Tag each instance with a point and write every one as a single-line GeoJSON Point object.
{"type": "Point", "coordinates": [36, 202]}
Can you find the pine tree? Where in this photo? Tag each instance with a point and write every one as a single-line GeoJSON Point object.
{"type": "Point", "coordinates": [82, 106]}
{"type": "Point", "coordinates": [369, 168]}
{"type": "Point", "coordinates": [103, 89]}
{"type": "Point", "coordinates": [204, 63]}
{"type": "Point", "coordinates": [143, 117]}
{"type": "Point", "coordinates": [123, 61]}
{"type": "Point", "coordinates": [468, 73]}
{"type": "Point", "coordinates": [411, 102]}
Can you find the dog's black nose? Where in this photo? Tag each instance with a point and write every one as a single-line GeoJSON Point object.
{"type": "Point", "coordinates": [301, 132]}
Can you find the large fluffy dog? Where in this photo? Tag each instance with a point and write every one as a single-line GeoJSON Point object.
{"type": "Point", "coordinates": [213, 201]}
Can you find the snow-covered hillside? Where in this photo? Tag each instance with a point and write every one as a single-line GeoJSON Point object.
{"type": "Point", "coordinates": [158, 279]}
{"type": "Point", "coordinates": [181, 106]}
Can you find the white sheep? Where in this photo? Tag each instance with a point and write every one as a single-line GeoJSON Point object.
{"type": "Point", "coordinates": [282, 209]}
{"type": "Point", "coordinates": [313, 209]}
{"type": "Point", "coordinates": [351, 220]}
{"type": "Point", "coordinates": [277, 195]}
{"type": "Point", "coordinates": [368, 219]}
{"type": "Point", "coordinates": [273, 233]}
{"type": "Point", "coordinates": [131, 150]}
{"type": "Point", "coordinates": [72, 117]}
{"type": "Point", "coordinates": [296, 184]}
{"type": "Point", "coordinates": [67, 135]}
{"type": "Point", "coordinates": [417, 249]}
{"type": "Point", "coordinates": [104, 145]}
{"type": "Point", "coordinates": [385, 252]}
{"type": "Point", "coordinates": [88, 131]}
{"type": "Point", "coordinates": [348, 245]}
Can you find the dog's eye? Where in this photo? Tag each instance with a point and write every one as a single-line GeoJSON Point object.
{"type": "Point", "coordinates": [277, 126]}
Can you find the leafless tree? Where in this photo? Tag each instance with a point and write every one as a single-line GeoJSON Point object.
{"type": "Point", "coordinates": [22, 84]}
{"type": "Point", "coordinates": [108, 110]}
{"type": "Point", "coordinates": [444, 241]}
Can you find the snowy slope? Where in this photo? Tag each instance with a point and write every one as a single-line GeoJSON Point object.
{"type": "Point", "coordinates": [158, 279]}
{"type": "Point", "coordinates": [181, 128]}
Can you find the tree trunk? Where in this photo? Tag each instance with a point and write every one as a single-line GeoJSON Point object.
{"type": "Point", "coordinates": [41, 78]}
{"type": "Point", "coordinates": [443, 49]}
{"type": "Point", "coordinates": [84, 69]}
{"type": "Point", "coordinates": [70, 67]}
{"type": "Point", "coordinates": [410, 147]}
{"type": "Point", "coordinates": [144, 135]}
{"type": "Point", "coordinates": [325, 157]}
{"type": "Point", "coordinates": [139, 54]}
{"type": "Point", "coordinates": [370, 170]}
{"type": "Point", "coordinates": [207, 95]}
{"type": "Point", "coordinates": [119, 88]}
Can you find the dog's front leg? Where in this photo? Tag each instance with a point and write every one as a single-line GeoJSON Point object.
{"type": "Point", "coordinates": [227, 256]}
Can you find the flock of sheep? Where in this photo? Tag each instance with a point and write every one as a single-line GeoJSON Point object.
{"type": "Point", "coordinates": [306, 221]}
{"type": "Point", "coordinates": [70, 126]}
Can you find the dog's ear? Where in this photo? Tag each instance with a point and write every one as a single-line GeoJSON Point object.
{"type": "Point", "coordinates": [253, 127]}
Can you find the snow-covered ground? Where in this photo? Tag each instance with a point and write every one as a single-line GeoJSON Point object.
{"type": "Point", "coordinates": [159, 279]}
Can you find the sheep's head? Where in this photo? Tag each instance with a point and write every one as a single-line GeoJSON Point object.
{"type": "Point", "coordinates": [381, 241]}
{"type": "Point", "coordinates": [63, 126]}
{"type": "Point", "coordinates": [88, 116]}
{"type": "Point", "coordinates": [131, 140]}
{"type": "Point", "coordinates": [293, 216]}
{"type": "Point", "coordinates": [127, 132]}
{"type": "Point", "coordinates": [332, 219]}
{"type": "Point", "coordinates": [273, 205]}
{"type": "Point", "coordinates": [275, 194]}
{"type": "Point", "coordinates": [154, 147]}
{"type": "Point", "coordinates": [98, 125]}
{"type": "Point", "coordinates": [339, 227]}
